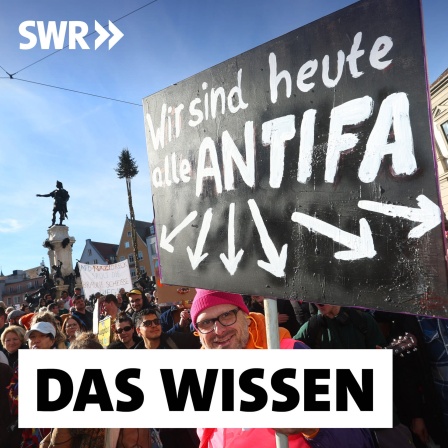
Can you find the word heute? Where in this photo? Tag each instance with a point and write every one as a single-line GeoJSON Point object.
{"type": "Point", "coordinates": [235, 102]}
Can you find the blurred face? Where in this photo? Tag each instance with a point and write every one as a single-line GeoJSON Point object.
{"type": "Point", "coordinates": [64, 295]}
{"type": "Point", "coordinates": [119, 298]}
{"type": "Point", "coordinates": [110, 307]}
{"type": "Point", "coordinates": [136, 302]}
{"type": "Point", "coordinates": [125, 331]}
{"type": "Point", "coordinates": [224, 337]}
{"type": "Point", "coordinates": [38, 340]}
{"type": "Point", "coordinates": [147, 329]}
{"type": "Point", "coordinates": [12, 342]}
{"type": "Point", "coordinates": [71, 327]}
{"type": "Point", "coordinates": [26, 309]}
{"type": "Point", "coordinates": [80, 305]}
{"type": "Point", "coordinates": [329, 311]}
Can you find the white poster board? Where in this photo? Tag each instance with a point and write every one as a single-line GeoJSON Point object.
{"type": "Point", "coordinates": [106, 279]}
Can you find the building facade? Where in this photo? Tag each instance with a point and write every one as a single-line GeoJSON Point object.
{"type": "Point", "coordinates": [126, 251]}
{"type": "Point", "coordinates": [18, 287]}
{"type": "Point", "coordinates": [439, 106]}
{"type": "Point", "coordinates": [99, 253]}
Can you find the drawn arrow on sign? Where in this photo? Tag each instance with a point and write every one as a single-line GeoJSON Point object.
{"type": "Point", "coordinates": [197, 257]}
{"type": "Point", "coordinates": [428, 213]}
{"type": "Point", "coordinates": [231, 262]}
{"type": "Point", "coordinates": [165, 240]}
{"type": "Point", "coordinates": [277, 263]}
{"type": "Point", "coordinates": [361, 246]}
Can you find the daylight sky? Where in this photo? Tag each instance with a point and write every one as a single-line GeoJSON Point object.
{"type": "Point", "coordinates": [48, 134]}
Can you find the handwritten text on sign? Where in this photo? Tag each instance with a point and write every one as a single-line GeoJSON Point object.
{"type": "Point", "coordinates": [303, 168]}
{"type": "Point", "coordinates": [106, 279]}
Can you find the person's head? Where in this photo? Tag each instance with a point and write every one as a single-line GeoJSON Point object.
{"type": "Point", "coordinates": [41, 335]}
{"type": "Point", "coordinates": [147, 323]}
{"type": "Point", "coordinates": [72, 325]}
{"type": "Point", "coordinates": [14, 317]}
{"type": "Point", "coordinates": [59, 184]}
{"type": "Point", "coordinates": [79, 303]}
{"type": "Point", "coordinates": [124, 328]}
{"type": "Point", "coordinates": [2, 317]}
{"type": "Point", "coordinates": [61, 304]}
{"type": "Point", "coordinates": [111, 304]}
{"type": "Point", "coordinates": [135, 299]}
{"type": "Point", "coordinates": [86, 340]}
{"type": "Point", "coordinates": [220, 319]}
{"type": "Point", "coordinates": [119, 298]}
{"type": "Point", "coordinates": [25, 307]}
{"type": "Point", "coordinates": [77, 291]}
{"type": "Point", "coordinates": [12, 338]}
{"type": "Point", "coordinates": [47, 299]}
{"type": "Point", "coordinates": [2, 304]}
{"type": "Point", "coordinates": [329, 311]}
{"type": "Point", "coordinates": [47, 316]}
{"type": "Point", "coordinates": [53, 307]}
{"type": "Point", "coordinates": [64, 295]}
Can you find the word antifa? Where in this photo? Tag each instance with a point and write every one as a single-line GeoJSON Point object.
{"type": "Point", "coordinates": [77, 30]}
{"type": "Point", "coordinates": [201, 397]}
{"type": "Point", "coordinates": [393, 113]}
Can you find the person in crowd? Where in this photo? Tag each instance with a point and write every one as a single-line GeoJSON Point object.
{"type": "Point", "coordinates": [9, 309]}
{"type": "Point", "coordinates": [46, 316]}
{"type": "Point", "coordinates": [223, 321]}
{"type": "Point", "coordinates": [13, 339]}
{"type": "Point", "coordinates": [14, 317]}
{"type": "Point", "coordinates": [53, 307]}
{"type": "Point", "coordinates": [67, 300]}
{"type": "Point", "coordinates": [25, 307]}
{"type": "Point", "coordinates": [40, 336]}
{"type": "Point", "coordinates": [150, 329]}
{"type": "Point", "coordinates": [81, 312]}
{"type": "Point", "coordinates": [77, 437]}
{"type": "Point", "coordinates": [137, 302]}
{"type": "Point", "coordinates": [125, 331]}
{"type": "Point", "coordinates": [61, 307]}
{"type": "Point", "coordinates": [148, 324]}
{"type": "Point", "coordinates": [286, 315]}
{"type": "Point", "coordinates": [435, 336]}
{"type": "Point", "coordinates": [2, 304]}
{"type": "Point", "coordinates": [177, 318]}
{"type": "Point", "coordinates": [414, 393]}
{"type": "Point", "coordinates": [71, 327]}
{"type": "Point", "coordinates": [343, 328]}
{"type": "Point", "coordinates": [9, 434]}
{"type": "Point", "coordinates": [110, 306]}
{"type": "Point", "coordinates": [3, 323]}
{"type": "Point", "coordinates": [25, 321]}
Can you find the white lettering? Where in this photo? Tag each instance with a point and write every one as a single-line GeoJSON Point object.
{"type": "Point", "coordinates": [208, 146]}
{"type": "Point", "coordinates": [394, 111]}
{"type": "Point", "coordinates": [275, 133]}
{"type": "Point", "coordinates": [350, 113]}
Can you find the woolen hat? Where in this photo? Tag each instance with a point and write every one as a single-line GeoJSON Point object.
{"type": "Point", "coordinates": [205, 298]}
{"type": "Point", "coordinates": [41, 327]}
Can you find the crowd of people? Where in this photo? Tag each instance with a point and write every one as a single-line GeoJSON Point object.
{"type": "Point", "coordinates": [221, 320]}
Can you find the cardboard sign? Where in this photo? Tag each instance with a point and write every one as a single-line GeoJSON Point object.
{"type": "Point", "coordinates": [104, 331]}
{"type": "Point", "coordinates": [106, 279]}
{"type": "Point", "coordinates": [304, 168]}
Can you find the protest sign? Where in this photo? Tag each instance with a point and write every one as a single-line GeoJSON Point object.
{"type": "Point", "coordinates": [104, 331]}
{"type": "Point", "coordinates": [304, 168]}
{"type": "Point", "coordinates": [106, 279]}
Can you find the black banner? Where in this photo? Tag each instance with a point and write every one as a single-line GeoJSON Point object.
{"type": "Point", "coordinates": [304, 168]}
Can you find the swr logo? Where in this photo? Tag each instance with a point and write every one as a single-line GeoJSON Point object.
{"type": "Point", "coordinates": [76, 30]}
